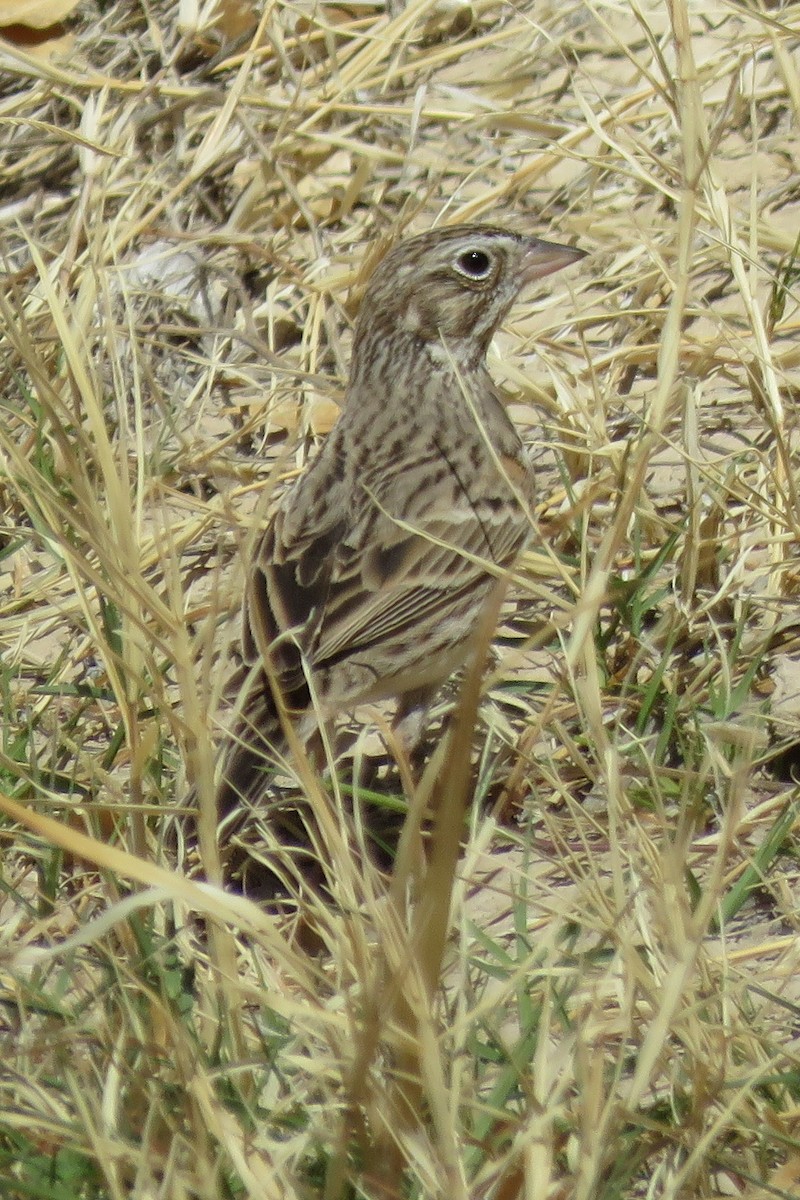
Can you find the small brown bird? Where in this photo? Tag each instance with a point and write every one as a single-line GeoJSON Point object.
{"type": "Point", "coordinates": [371, 578]}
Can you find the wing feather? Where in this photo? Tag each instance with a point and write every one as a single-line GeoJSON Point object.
{"type": "Point", "coordinates": [324, 590]}
{"type": "Point", "coordinates": [432, 585]}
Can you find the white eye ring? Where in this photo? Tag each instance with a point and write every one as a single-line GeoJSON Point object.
{"type": "Point", "coordinates": [475, 264]}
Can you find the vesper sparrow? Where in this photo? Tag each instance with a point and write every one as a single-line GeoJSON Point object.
{"type": "Point", "coordinates": [371, 578]}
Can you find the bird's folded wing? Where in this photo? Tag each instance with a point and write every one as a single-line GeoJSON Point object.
{"type": "Point", "coordinates": [341, 597]}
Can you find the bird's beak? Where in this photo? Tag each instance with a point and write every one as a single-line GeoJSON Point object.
{"type": "Point", "coordinates": [543, 258]}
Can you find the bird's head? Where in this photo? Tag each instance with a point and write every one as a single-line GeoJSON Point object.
{"type": "Point", "coordinates": [454, 285]}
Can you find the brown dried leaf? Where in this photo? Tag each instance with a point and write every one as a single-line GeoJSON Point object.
{"type": "Point", "coordinates": [36, 14]}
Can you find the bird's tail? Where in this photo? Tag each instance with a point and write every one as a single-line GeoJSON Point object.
{"type": "Point", "coordinates": [250, 812]}
{"type": "Point", "coordinates": [254, 746]}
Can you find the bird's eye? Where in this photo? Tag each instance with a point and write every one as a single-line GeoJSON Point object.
{"type": "Point", "coordinates": [475, 264]}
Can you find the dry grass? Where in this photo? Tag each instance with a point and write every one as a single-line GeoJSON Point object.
{"type": "Point", "coordinates": [596, 995]}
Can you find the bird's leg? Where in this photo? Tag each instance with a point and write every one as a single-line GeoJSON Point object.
{"type": "Point", "coordinates": [410, 722]}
